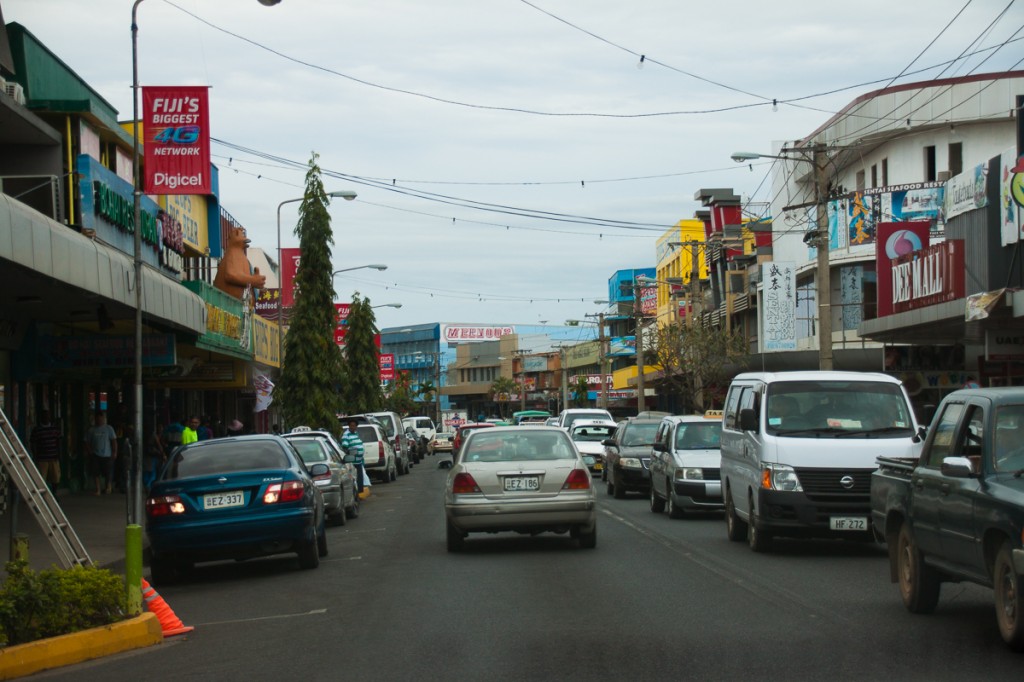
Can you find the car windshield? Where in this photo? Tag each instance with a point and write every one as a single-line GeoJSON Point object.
{"type": "Point", "coordinates": [699, 435]}
{"type": "Point", "coordinates": [837, 409]}
{"type": "Point", "coordinates": [213, 457]}
{"type": "Point", "coordinates": [1009, 449]}
{"type": "Point", "coordinates": [572, 417]}
{"type": "Point", "coordinates": [424, 424]}
{"type": "Point", "coordinates": [639, 434]}
{"type": "Point", "coordinates": [311, 451]}
{"type": "Point", "coordinates": [592, 434]}
{"type": "Point", "coordinates": [487, 446]}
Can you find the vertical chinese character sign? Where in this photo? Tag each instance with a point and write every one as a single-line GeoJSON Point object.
{"type": "Point", "coordinates": [778, 306]}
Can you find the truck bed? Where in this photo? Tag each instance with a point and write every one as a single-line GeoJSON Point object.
{"type": "Point", "coordinates": [897, 466]}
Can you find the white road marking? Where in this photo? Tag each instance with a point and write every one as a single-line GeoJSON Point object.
{"type": "Point", "coordinates": [315, 612]}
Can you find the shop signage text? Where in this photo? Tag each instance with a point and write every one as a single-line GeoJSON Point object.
{"type": "Point", "coordinates": [927, 277]}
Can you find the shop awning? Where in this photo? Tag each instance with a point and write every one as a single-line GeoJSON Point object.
{"type": "Point", "coordinates": [55, 261]}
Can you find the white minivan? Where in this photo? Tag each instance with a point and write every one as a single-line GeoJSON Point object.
{"type": "Point", "coordinates": [798, 449]}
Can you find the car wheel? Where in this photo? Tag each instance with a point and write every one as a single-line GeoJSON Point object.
{"type": "Point", "coordinates": [353, 511]}
{"type": "Point", "coordinates": [454, 537]}
{"type": "Point", "coordinates": [657, 504]}
{"type": "Point", "coordinates": [735, 529]}
{"type": "Point", "coordinates": [321, 543]}
{"type": "Point", "coordinates": [759, 540]}
{"type": "Point", "coordinates": [587, 539]}
{"type": "Point", "coordinates": [620, 490]}
{"type": "Point", "coordinates": [673, 509]}
{"type": "Point", "coordinates": [919, 583]}
{"type": "Point", "coordinates": [309, 553]}
{"type": "Point", "coordinates": [162, 570]}
{"type": "Point", "coordinates": [1009, 599]}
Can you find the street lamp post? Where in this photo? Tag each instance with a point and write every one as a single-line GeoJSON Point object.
{"type": "Point", "coordinates": [819, 160]}
{"type": "Point", "coordinates": [347, 195]}
{"type": "Point", "coordinates": [133, 530]}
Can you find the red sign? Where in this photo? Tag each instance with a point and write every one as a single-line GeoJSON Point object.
{"type": "Point", "coordinates": [928, 277]}
{"type": "Point", "coordinates": [387, 366]}
{"type": "Point", "coordinates": [266, 303]}
{"type": "Point", "coordinates": [289, 267]}
{"type": "Point", "coordinates": [339, 335]}
{"type": "Point", "coordinates": [176, 139]}
{"type": "Point", "coordinates": [893, 240]}
{"type": "Point", "coordinates": [341, 313]}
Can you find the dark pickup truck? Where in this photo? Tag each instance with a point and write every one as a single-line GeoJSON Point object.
{"type": "Point", "coordinates": [957, 513]}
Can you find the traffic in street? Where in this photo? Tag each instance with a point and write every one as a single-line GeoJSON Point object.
{"type": "Point", "coordinates": [657, 598]}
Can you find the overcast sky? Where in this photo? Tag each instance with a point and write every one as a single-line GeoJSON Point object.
{"type": "Point", "coordinates": [404, 99]}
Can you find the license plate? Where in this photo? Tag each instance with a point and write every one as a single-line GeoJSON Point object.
{"type": "Point", "coordinates": [848, 523]}
{"type": "Point", "coordinates": [522, 483]}
{"type": "Point", "coordinates": [598, 466]}
{"type": "Point", "coordinates": [235, 498]}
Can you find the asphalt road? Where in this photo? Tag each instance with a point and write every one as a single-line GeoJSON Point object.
{"type": "Point", "coordinates": [658, 599]}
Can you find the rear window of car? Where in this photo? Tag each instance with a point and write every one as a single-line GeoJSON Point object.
{"type": "Point", "coordinates": [367, 434]}
{"type": "Point", "coordinates": [311, 451]}
{"type": "Point", "coordinates": [387, 422]}
{"type": "Point", "coordinates": [593, 434]}
{"type": "Point", "coordinates": [226, 457]}
{"type": "Point", "coordinates": [486, 446]}
{"type": "Point", "coordinates": [423, 424]}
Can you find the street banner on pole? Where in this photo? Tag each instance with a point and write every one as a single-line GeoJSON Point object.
{"type": "Point", "coordinates": [176, 138]}
{"type": "Point", "coordinates": [289, 267]}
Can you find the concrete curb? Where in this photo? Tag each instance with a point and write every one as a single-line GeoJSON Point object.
{"type": "Point", "coordinates": [33, 657]}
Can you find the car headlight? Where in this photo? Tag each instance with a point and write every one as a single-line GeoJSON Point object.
{"type": "Point", "coordinates": [630, 463]}
{"type": "Point", "coordinates": [689, 473]}
{"type": "Point", "coordinates": [780, 477]}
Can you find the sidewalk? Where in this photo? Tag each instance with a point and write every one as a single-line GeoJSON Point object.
{"type": "Point", "coordinates": [98, 521]}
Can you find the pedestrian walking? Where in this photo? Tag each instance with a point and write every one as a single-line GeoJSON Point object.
{"type": "Point", "coordinates": [190, 434]}
{"type": "Point", "coordinates": [352, 444]}
{"type": "Point", "coordinates": [235, 428]}
{"type": "Point", "coordinates": [45, 444]}
{"type": "Point", "coordinates": [101, 445]}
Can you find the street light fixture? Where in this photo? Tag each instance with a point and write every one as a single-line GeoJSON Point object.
{"type": "Point", "coordinates": [372, 266]}
{"type": "Point", "coordinates": [347, 195]}
{"type": "Point", "coordinates": [387, 305]}
{"type": "Point", "coordinates": [819, 160]}
{"type": "Point", "coordinates": [133, 530]}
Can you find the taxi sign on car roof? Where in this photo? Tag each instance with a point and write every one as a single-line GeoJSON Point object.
{"type": "Point", "coordinates": [713, 414]}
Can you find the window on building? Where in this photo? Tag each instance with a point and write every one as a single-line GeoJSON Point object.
{"type": "Point", "coordinates": [885, 172]}
{"type": "Point", "coordinates": [929, 164]}
{"type": "Point", "coordinates": [806, 315]}
{"type": "Point", "coordinates": [956, 158]}
{"type": "Point", "coordinates": [874, 175]}
{"type": "Point", "coordinates": [860, 181]}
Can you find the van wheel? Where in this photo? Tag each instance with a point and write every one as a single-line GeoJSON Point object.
{"type": "Point", "coordinates": [657, 504]}
{"type": "Point", "coordinates": [919, 583]}
{"type": "Point", "coordinates": [673, 509]}
{"type": "Point", "coordinates": [758, 539]}
{"type": "Point", "coordinates": [735, 529]}
{"type": "Point", "coordinates": [1009, 599]}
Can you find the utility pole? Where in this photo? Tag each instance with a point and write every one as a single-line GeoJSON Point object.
{"type": "Point", "coordinates": [437, 390]}
{"type": "Point", "coordinates": [823, 276]}
{"type": "Point", "coordinates": [565, 379]}
{"type": "Point", "coordinates": [694, 282]}
{"type": "Point", "coordinates": [604, 360]}
{"type": "Point", "coordinates": [638, 313]}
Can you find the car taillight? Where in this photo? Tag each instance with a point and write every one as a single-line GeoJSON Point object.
{"type": "Point", "coordinates": [380, 450]}
{"type": "Point", "coordinates": [578, 480]}
{"type": "Point", "coordinates": [463, 484]}
{"type": "Point", "coordinates": [289, 491]}
{"type": "Point", "coordinates": [164, 505]}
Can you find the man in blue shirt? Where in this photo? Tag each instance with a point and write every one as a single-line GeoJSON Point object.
{"type": "Point", "coordinates": [101, 443]}
{"type": "Point", "coordinates": [352, 444]}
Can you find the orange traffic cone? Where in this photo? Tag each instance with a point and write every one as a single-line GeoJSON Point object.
{"type": "Point", "coordinates": [169, 623]}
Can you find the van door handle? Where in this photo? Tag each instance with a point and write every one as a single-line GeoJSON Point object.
{"type": "Point", "coordinates": [944, 488]}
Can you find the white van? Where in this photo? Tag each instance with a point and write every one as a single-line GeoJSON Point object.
{"type": "Point", "coordinates": [798, 449]}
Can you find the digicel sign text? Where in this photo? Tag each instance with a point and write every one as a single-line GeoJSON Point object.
{"type": "Point", "coordinates": [176, 137]}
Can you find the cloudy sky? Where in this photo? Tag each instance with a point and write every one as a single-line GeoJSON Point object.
{"type": "Point", "coordinates": [509, 155]}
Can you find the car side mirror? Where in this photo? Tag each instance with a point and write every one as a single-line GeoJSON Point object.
{"type": "Point", "coordinates": [748, 419]}
{"type": "Point", "coordinates": [957, 467]}
{"type": "Point", "coordinates": [921, 434]}
{"type": "Point", "coordinates": [659, 447]}
{"type": "Point", "coordinates": [349, 459]}
{"type": "Point", "coordinates": [319, 469]}
{"type": "Point", "coordinates": [610, 443]}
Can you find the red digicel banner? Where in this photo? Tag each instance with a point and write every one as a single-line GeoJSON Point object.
{"type": "Point", "coordinates": [176, 138]}
{"type": "Point", "coordinates": [289, 266]}
{"type": "Point", "coordinates": [387, 366]}
{"type": "Point", "coordinates": [341, 314]}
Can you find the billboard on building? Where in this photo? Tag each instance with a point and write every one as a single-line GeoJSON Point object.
{"type": "Point", "coordinates": [778, 309]}
{"type": "Point", "coordinates": [176, 138]}
{"type": "Point", "coordinates": [1011, 196]}
{"type": "Point", "coordinates": [895, 240]}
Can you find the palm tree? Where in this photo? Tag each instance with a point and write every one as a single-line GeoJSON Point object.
{"type": "Point", "coordinates": [501, 392]}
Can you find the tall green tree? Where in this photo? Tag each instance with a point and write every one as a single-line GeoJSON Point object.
{"type": "Point", "coordinates": [361, 391]}
{"type": "Point", "coordinates": [311, 366]}
{"type": "Point", "coordinates": [501, 392]}
{"type": "Point", "coordinates": [401, 397]}
{"type": "Point", "coordinates": [697, 362]}
{"type": "Point", "coordinates": [580, 389]}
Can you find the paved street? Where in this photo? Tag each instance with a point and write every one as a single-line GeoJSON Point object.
{"type": "Point", "coordinates": [657, 599]}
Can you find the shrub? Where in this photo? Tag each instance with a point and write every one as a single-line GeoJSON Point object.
{"type": "Point", "coordinates": [36, 605]}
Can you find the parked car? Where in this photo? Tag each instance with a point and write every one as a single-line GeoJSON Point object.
{"type": "Point", "coordinates": [461, 433]}
{"type": "Point", "coordinates": [627, 457]}
{"type": "Point", "coordinates": [551, 421]}
{"type": "Point", "coordinates": [378, 455]}
{"type": "Point", "coordinates": [441, 442]}
{"type": "Point", "coordinates": [522, 479]}
{"type": "Point", "coordinates": [395, 432]}
{"type": "Point", "coordinates": [234, 498]}
{"type": "Point", "coordinates": [969, 479]}
{"type": "Point", "coordinates": [568, 416]}
{"type": "Point", "coordinates": [414, 445]}
{"type": "Point", "coordinates": [340, 491]}
{"type": "Point", "coordinates": [424, 426]}
{"type": "Point", "coordinates": [589, 436]}
{"type": "Point", "coordinates": [686, 463]}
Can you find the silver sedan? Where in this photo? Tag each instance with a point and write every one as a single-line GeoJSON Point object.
{"type": "Point", "coordinates": [521, 479]}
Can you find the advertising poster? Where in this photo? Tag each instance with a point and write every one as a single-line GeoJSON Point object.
{"type": "Point", "coordinates": [895, 240]}
{"type": "Point", "coordinates": [851, 289]}
{"type": "Point", "coordinates": [966, 192]}
{"type": "Point", "coordinates": [289, 267]}
{"type": "Point", "coordinates": [387, 366]}
{"type": "Point", "coordinates": [176, 138]}
{"type": "Point", "coordinates": [778, 312]}
{"type": "Point", "coordinates": [1011, 197]}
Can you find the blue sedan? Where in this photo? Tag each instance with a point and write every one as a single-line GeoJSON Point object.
{"type": "Point", "coordinates": [234, 498]}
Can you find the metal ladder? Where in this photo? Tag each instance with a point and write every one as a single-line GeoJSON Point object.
{"type": "Point", "coordinates": [23, 471]}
